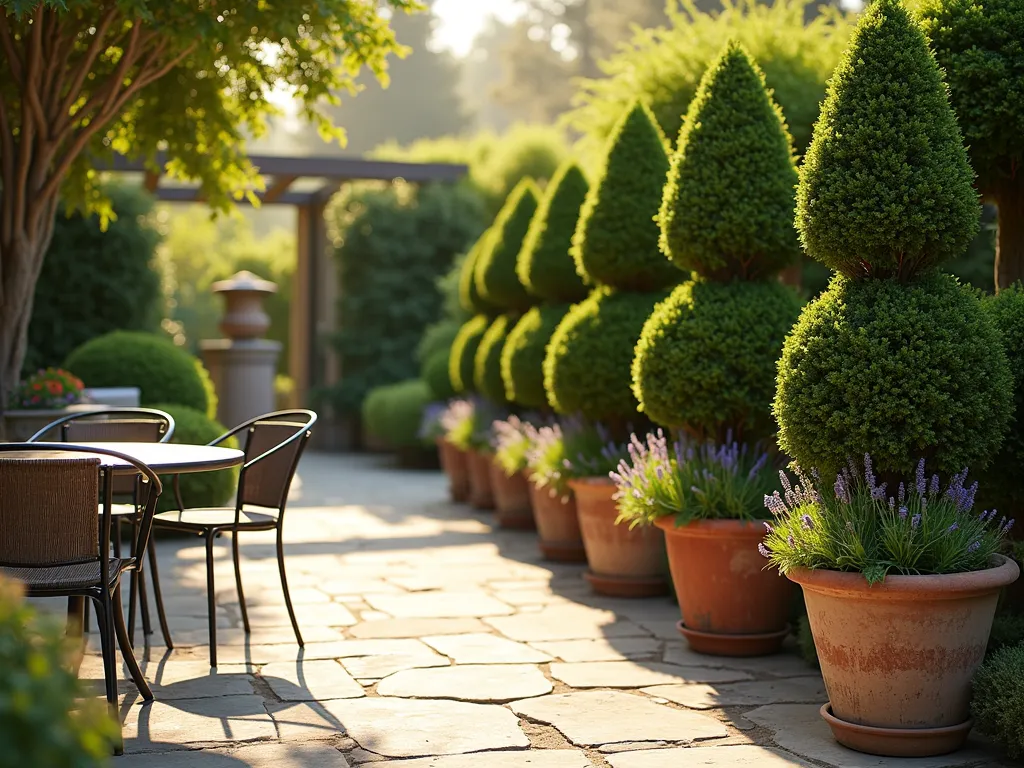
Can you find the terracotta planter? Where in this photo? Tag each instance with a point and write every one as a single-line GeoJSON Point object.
{"type": "Point", "coordinates": [456, 466]}
{"type": "Point", "coordinates": [511, 499]}
{"type": "Point", "coordinates": [558, 527]}
{"type": "Point", "coordinates": [18, 426]}
{"type": "Point", "coordinates": [900, 655]}
{"type": "Point", "coordinates": [479, 466]}
{"type": "Point", "coordinates": [731, 605]}
{"type": "Point", "coordinates": [623, 562]}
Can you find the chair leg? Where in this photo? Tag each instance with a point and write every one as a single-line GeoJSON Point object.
{"type": "Point", "coordinates": [147, 623]}
{"type": "Point", "coordinates": [211, 597]}
{"type": "Point", "coordinates": [137, 592]}
{"type": "Point", "coordinates": [85, 618]}
{"type": "Point", "coordinates": [126, 648]}
{"type": "Point", "coordinates": [103, 619]}
{"type": "Point", "coordinates": [117, 536]}
{"type": "Point", "coordinates": [284, 586]}
{"type": "Point", "coordinates": [155, 574]}
{"type": "Point", "coordinates": [238, 581]}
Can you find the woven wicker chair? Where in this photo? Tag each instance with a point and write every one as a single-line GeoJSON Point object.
{"type": "Point", "coordinates": [273, 445]}
{"type": "Point", "coordinates": [50, 537]}
{"type": "Point", "coordinates": [121, 425]}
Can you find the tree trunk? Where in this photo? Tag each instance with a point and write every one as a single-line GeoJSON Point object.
{"type": "Point", "coordinates": [1009, 199]}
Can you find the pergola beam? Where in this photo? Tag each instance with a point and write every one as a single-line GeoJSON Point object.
{"type": "Point", "coordinates": [278, 187]}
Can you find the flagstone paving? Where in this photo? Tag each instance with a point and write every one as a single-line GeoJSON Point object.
{"type": "Point", "coordinates": [434, 640]}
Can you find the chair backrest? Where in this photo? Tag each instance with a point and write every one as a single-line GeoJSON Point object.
{"type": "Point", "coordinates": [110, 425]}
{"type": "Point", "coordinates": [273, 447]}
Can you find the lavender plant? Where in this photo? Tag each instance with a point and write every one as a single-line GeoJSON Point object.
{"type": "Point", "coordinates": [467, 423]}
{"type": "Point", "coordinates": [511, 441]}
{"type": "Point", "coordinates": [431, 426]}
{"type": "Point", "coordinates": [861, 525]}
{"type": "Point", "coordinates": [692, 482]}
{"type": "Point", "coordinates": [570, 449]}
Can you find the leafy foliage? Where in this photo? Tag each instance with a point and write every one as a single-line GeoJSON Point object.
{"type": "Point", "coordinates": [495, 268]}
{"type": "Point", "coordinates": [393, 413]}
{"type": "Point", "coordinates": [885, 189]}
{"type": "Point", "coordinates": [571, 448]}
{"type": "Point", "coordinates": [461, 361]}
{"type": "Point", "coordinates": [511, 444]}
{"type": "Point", "coordinates": [616, 238]}
{"type": "Point", "coordinates": [469, 297]}
{"type": "Point", "coordinates": [468, 423]}
{"type": "Point", "coordinates": [734, 138]}
{"type": "Point", "coordinates": [46, 390]}
{"type": "Point", "coordinates": [587, 364]}
{"type": "Point", "coordinates": [706, 357]}
{"type": "Point", "coordinates": [487, 365]}
{"type": "Point", "coordinates": [545, 266]}
{"type": "Point", "coordinates": [522, 358]}
{"type": "Point", "coordinates": [896, 371]}
{"type": "Point", "coordinates": [435, 373]}
{"type": "Point", "coordinates": [997, 703]}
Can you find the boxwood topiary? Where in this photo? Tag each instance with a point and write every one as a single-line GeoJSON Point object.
{"type": "Point", "coordinates": [545, 266]}
{"type": "Point", "coordinates": [495, 270]}
{"type": "Point", "coordinates": [897, 371]}
{"type": "Point", "coordinates": [487, 365]}
{"type": "Point", "coordinates": [998, 699]}
{"type": "Point", "coordinates": [469, 296]}
{"type": "Point", "coordinates": [587, 364]}
{"type": "Point", "coordinates": [163, 372]}
{"type": "Point", "coordinates": [734, 138]}
{"type": "Point", "coordinates": [706, 357]}
{"type": "Point", "coordinates": [435, 373]}
{"type": "Point", "coordinates": [522, 358]}
{"type": "Point", "coordinates": [462, 357]}
{"type": "Point", "coordinates": [616, 238]}
{"type": "Point", "coordinates": [394, 413]}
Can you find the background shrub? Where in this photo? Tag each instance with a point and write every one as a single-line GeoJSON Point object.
{"type": "Point", "coordinates": [998, 699]}
{"type": "Point", "coordinates": [462, 360]}
{"type": "Point", "coordinates": [495, 268]}
{"type": "Point", "coordinates": [487, 365]}
{"type": "Point", "coordinates": [435, 374]}
{"type": "Point", "coordinates": [393, 413]}
{"type": "Point", "coordinates": [522, 357]}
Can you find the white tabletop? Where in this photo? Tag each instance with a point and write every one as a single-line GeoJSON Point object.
{"type": "Point", "coordinates": [163, 458]}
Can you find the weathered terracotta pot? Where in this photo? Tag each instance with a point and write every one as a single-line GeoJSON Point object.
{"type": "Point", "coordinates": [623, 562]}
{"type": "Point", "coordinates": [901, 654]}
{"type": "Point", "coordinates": [731, 605]}
{"type": "Point", "coordinates": [558, 528]}
{"type": "Point", "coordinates": [481, 495]}
{"type": "Point", "coordinates": [511, 498]}
{"type": "Point", "coordinates": [456, 466]}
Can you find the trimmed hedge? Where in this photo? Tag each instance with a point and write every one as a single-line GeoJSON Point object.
{"type": "Point", "coordinates": [487, 364]}
{"type": "Point", "coordinates": [461, 360]}
{"type": "Point", "coordinates": [495, 268]}
{"type": "Point", "coordinates": [706, 357]}
{"type": "Point", "coordinates": [998, 699]}
{"type": "Point", "coordinates": [545, 266]}
{"type": "Point", "coordinates": [522, 358]}
{"type": "Point", "coordinates": [393, 413]}
{"type": "Point", "coordinates": [616, 238]}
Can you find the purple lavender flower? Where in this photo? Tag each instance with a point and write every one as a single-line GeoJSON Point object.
{"type": "Point", "coordinates": [901, 494]}
{"type": "Point", "coordinates": [933, 489]}
{"type": "Point", "coordinates": [974, 546]}
{"type": "Point", "coordinates": [1006, 528]}
{"type": "Point", "coordinates": [953, 527]}
{"type": "Point", "coordinates": [807, 523]}
{"type": "Point", "coordinates": [842, 489]}
{"type": "Point", "coordinates": [915, 521]}
{"type": "Point", "coordinates": [903, 513]}
{"type": "Point", "coordinates": [790, 540]}
{"type": "Point", "coordinates": [765, 552]}
{"type": "Point", "coordinates": [919, 482]}
{"type": "Point", "coordinates": [768, 527]}
{"type": "Point", "coordinates": [869, 474]}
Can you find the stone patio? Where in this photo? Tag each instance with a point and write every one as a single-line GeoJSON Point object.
{"type": "Point", "coordinates": [434, 640]}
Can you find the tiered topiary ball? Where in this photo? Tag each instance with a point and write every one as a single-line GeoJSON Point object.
{"type": "Point", "coordinates": [487, 363]}
{"type": "Point", "coordinates": [462, 358]}
{"type": "Point", "coordinates": [495, 269]}
{"type": "Point", "coordinates": [522, 358]}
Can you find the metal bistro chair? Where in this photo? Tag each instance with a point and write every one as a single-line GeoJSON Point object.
{"type": "Point", "coordinates": [273, 445]}
{"type": "Point", "coordinates": [52, 540]}
{"type": "Point", "coordinates": [120, 425]}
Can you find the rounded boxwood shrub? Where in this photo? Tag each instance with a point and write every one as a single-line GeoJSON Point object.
{"type": "Point", "coordinates": [393, 413]}
{"type": "Point", "coordinates": [545, 266]}
{"type": "Point", "coordinates": [495, 270]}
{"type": "Point", "coordinates": [163, 372]}
{"type": "Point", "coordinates": [487, 366]}
{"type": "Point", "coordinates": [587, 364]}
{"type": "Point", "coordinates": [898, 371]}
{"type": "Point", "coordinates": [734, 138]}
{"type": "Point", "coordinates": [461, 359]}
{"type": "Point", "coordinates": [707, 355]}
{"type": "Point", "coordinates": [435, 373]}
{"type": "Point", "coordinates": [522, 358]}
{"type": "Point", "coordinates": [998, 699]}
{"type": "Point", "coordinates": [469, 296]}
{"type": "Point", "coordinates": [616, 238]}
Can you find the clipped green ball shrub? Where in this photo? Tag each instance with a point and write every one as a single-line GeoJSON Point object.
{"type": "Point", "coordinates": [522, 358]}
{"type": "Point", "coordinates": [885, 189]}
{"type": "Point", "coordinates": [435, 373]}
{"type": "Point", "coordinates": [587, 364]}
{"type": "Point", "coordinates": [495, 269]}
{"type": "Point", "coordinates": [469, 296]}
{"type": "Point", "coordinates": [898, 371]}
{"type": "Point", "coordinates": [163, 372]}
{"type": "Point", "coordinates": [997, 703]}
{"type": "Point", "coordinates": [734, 138]}
{"type": "Point", "coordinates": [616, 238]}
{"type": "Point", "coordinates": [463, 353]}
{"type": "Point", "coordinates": [393, 413]}
{"type": "Point", "coordinates": [545, 266]}
{"type": "Point", "coordinates": [487, 366]}
{"type": "Point", "coordinates": [707, 355]}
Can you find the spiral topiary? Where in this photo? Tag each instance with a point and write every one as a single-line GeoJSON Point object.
{"type": "Point", "coordinates": [487, 363]}
{"type": "Point", "coordinates": [706, 356]}
{"type": "Point", "coordinates": [616, 238]}
{"type": "Point", "coordinates": [463, 353]}
{"type": "Point", "coordinates": [545, 266]}
{"type": "Point", "coordinates": [587, 363]}
{"type": "Point", "coordinates": [469, 296]}
{"type": "Point", "coordinates": [495, 270]}
{"type": "Point", "coordinates": [734, 138]}
{"type": "Point", "coordinates": [522, 358]}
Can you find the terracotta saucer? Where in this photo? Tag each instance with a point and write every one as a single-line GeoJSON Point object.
{"type": "Point", "coordinates": [519, 521]}
{"type": "Point", "coordinates": [717, 644]}
{"type": "Point", "coordinates": [563, 551]}
{"type": "Point", "coordinates": [897, 742]}
{"type": "Point", "coordinates": [625, 586]}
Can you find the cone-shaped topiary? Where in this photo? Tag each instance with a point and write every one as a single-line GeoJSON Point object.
{"type": "Point", "coordinates": [902, 372]}
{"type": "Point", "coordinates": [522, 359]}
{"type": "Point", "coordinates": [587, 364]}
{"type": "Point", "coordinates": [487, 364]}
{"type": "Point", "coordinates": [734, 138]}
{"type": "Point", "coordinates": [463, 354]}
{"type": "Point", "coordinates": [706, 357]}
{"type": "Point", "coordinates": [616, 238]}
{"type": "Point", "coordinates": [886, 189]}
{"type": "Point", "coordinates": [434, 371]}
{"type": "Point", "coordinates": [545, 266]}
{"type": "Point", "coordinates": [469, 296]}
{"type": "Point", "coordinates": [496, 278]}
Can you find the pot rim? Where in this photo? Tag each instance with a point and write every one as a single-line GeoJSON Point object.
{"type": "Point", "coordinates": [590, 482]}
{"type": "Point", "coordinates": [1003, 571]}
{"type": "Point", "coordinates": [712, 528]}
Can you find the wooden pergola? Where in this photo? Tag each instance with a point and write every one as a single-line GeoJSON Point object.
{"type": "Point", "coordinates": [308, 183]}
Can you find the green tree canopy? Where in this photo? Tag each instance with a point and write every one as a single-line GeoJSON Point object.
{"type": "Point", "coordinates": [495, 271]}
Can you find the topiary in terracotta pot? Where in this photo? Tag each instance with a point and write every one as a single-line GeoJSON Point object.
{"type": "Point", "coordinates": [456, 467]}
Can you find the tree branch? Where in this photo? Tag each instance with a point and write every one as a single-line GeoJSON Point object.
{"type": "Point", "coordinates": [30, 86]}
{"type": "Point", "coordinates": [84, 67]}
{"type": "Point", "coordinates": [7, 42]}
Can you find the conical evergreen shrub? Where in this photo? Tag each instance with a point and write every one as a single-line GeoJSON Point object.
{"type": "Point", "coordinates": [545, 266]}
{"type": "Point", "coordinates": [616, 238]}
{"type": "Point", "coordinates": [727, 207]}
{"type": "Point", "coordinates": [487, 363]}
{"type": "Point", "coordinates": [495, 270]}
{"type": "Point", "coordinates": [463, 353]}
{"type": "Point", "coordinates": [522, 358]}
{"type": "Point", "coordinates": [469, 296]}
